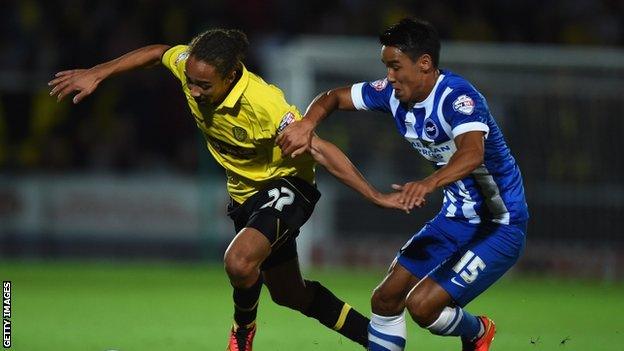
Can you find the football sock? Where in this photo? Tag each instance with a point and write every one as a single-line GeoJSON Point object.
{"type": "Point", "coordinates": [246, 303]}
{"type": "Point", "coordinates": [387, 333]}
{"type": "Point", "coordinates": [336, 314]}
{"type": "Point", "coordinates": [457, 322]}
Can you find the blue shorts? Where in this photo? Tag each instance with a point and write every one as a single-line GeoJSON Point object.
{"type": "Point", "coordinates": [464, 258]}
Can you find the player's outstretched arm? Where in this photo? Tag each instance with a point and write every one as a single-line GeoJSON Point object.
{"type": "Point", "coordinates": [339, 165]}
{"type": "Point", "coordinates": [297, 136]}
{"type": "Point", "coordinates": [85, 81]}
{"type": "Point", "coordinates": [469, 156]}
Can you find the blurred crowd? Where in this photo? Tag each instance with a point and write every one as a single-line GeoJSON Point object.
{"type": "Point", "coordinates": [139, 121]}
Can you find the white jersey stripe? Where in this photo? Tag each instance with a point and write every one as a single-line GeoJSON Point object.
{"type": "Point", "coordinates": [356, 96]}
{"type": "Point", "coordinates": [394, 103]}
{"type": "Point", "coordinates": [470, 127]}
{"type": "Point", "coordinates": [443, 122]}
{"type": "Point", "coordinates": [410, 121]}
{"type": "Point", "coordinates": [451, 209]}
{"type": "Point", "coordinates": [468, 204]}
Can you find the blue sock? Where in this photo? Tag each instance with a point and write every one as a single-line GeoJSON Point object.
{"type": "Point", "coordinates": [455, 321]}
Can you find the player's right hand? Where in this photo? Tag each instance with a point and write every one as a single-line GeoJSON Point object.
{"type": "Point", "coordinates": [84, 81]}
{"type": "Point", "coordinates": [296, 138]}
{"type": "Point", "coordinates": [413, 193]}
{"type": "Point", "coordinates": [392, 201]}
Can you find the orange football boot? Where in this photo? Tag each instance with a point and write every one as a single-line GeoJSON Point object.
{"type": "Point", "coordinates": [483, 343]}
{"type": "Point", "coordinates": [241, 338]}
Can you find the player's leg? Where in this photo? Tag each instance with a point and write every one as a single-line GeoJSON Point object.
{"type": "Point", "coordinates": [431, 307]}
{"type": "Point", "coordinates": [243, 257]}
{"type": "Point", "coordinates": [288, 288]}
{"type": "Point", "coordinates": [265, 221]}
{"type": "Point", "coordinates": [242, 263]}
{"type": "Point", "coordinates": [436, 303]}
{"type": "Point", "coordinates": [426, 250]}
{"type": "Point", "coordinates": [495, 250]}
{"type": "Point", "coordinates": [242, 260]}
{"type": "Point", "coordinates": [310, 297]}
{"type": "Point", "coordinates": [387, 329]}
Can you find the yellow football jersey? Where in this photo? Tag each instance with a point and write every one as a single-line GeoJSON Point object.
{"type": "Point", "coordinates": [240, 133]}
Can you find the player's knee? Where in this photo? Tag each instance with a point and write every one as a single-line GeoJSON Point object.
{"type": "Point", "coordinates": [423, 312]}
{"type": "Point", "coordinates": [386, 303]}
{"type": "Point", "coordinates": [239, 269]}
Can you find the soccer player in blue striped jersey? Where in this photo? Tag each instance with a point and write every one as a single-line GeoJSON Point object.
{"type": "Point", "coordinates": [480, 231]}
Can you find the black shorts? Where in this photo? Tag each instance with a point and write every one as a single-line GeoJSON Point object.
{"type": "Point", "coordinates": [277, 211]}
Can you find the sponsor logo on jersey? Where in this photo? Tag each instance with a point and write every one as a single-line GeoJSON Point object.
{"type": "Point", "coordinates": [432, 152]}
{"type": "Point", "coordinates": [431, 130]}
{"type": "Point", "coordinates": [464, 104]}
{"type": "Point", "coordinates": [454, 281]}
{"type": "Point", "coordinates": [239, 133]}
{"type": "Point", "coordinates": [380, 84]}
{"type": "Point", "coordinates": [286, 120]}
{"type": "Point", "coordinates": [182, 56]}
{"type": "Point", "coordinates": [235, 151]}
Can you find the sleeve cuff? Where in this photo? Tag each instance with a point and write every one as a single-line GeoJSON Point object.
{"type": "Point", "coordinates": [356, 96]}
{"type": "Point", "coordinates": [470, 127]}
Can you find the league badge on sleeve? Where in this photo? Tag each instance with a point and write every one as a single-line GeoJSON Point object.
{"type": "Point", "coordinates": [379, 84]}
{"type": "Point", "coordinates": [464, 104]}
{"type": "Point", "coordinates": [286, 120]}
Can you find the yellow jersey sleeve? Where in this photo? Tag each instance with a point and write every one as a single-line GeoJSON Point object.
{"type": "Point", "coordinates": [175, 58]}
{"type": "Point", "coordinates": [273, 120]}
{"type": "Point", "coordinates": [273, 112]}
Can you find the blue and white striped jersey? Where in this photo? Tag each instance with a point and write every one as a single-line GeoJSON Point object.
{"type": "Point", "coordinates": [492, 192]}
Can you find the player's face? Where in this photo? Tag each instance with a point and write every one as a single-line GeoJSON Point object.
{"type": "Point", "coordinates": [207, 86]}
{"type": "Point", "coordinates": [406, 76]}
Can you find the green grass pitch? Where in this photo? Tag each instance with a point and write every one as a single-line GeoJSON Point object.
{"type": "Point", "coordinates": [71, 306]}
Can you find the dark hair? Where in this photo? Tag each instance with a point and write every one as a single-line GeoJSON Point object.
{"type": "Point", "coordinates": [223, 48]}
{"type": "Point", "coordinates": [414, 37]}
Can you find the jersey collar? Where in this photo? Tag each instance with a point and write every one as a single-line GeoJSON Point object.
{"type": "Point", "coordinates": [237, 90]}
{"type": "Point", "coordinates": [431, 95]}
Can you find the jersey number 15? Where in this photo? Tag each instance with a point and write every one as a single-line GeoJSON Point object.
{"type": "Point", "coordinates": [469, 266]}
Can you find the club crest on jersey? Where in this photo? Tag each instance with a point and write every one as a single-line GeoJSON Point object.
{"type": "Point", "coordinates": [464, 104]}
{"type": "Point", "coordinates": [239, 133]}
{"type": "Point", "coordinates": [380, 84]}
{"type": "Point", "coordinates": [182, 56]}
{"type": "Point", "coordinates": [286, 120]}
{"type": "Point", "coordinates": [431, 130]}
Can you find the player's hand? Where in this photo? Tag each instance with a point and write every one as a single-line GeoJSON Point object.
{"type": "Point", "coordinates": [413, 193]}
{"type": "Point", "coordinates": [296, 138]}
{"type": "Point", "coordinates": [84, 81]}
{"type": "Point", "coordinates": [390, 200]}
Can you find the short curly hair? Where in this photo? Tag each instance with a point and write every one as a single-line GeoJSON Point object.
{"type": "Point", "coordinates": [225, 49]}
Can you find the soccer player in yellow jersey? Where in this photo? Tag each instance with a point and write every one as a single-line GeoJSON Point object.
{"type": "Point", "coordinates": [272, 196]}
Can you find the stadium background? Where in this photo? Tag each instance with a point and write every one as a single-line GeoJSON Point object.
{"type": "Point", "coordinates": [112, 200]}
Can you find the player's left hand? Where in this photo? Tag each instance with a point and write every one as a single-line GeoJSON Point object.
{"type": "Point", "coordinates": [296, 138]}
{"type": "Point", "coordinates": [412, 194]}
